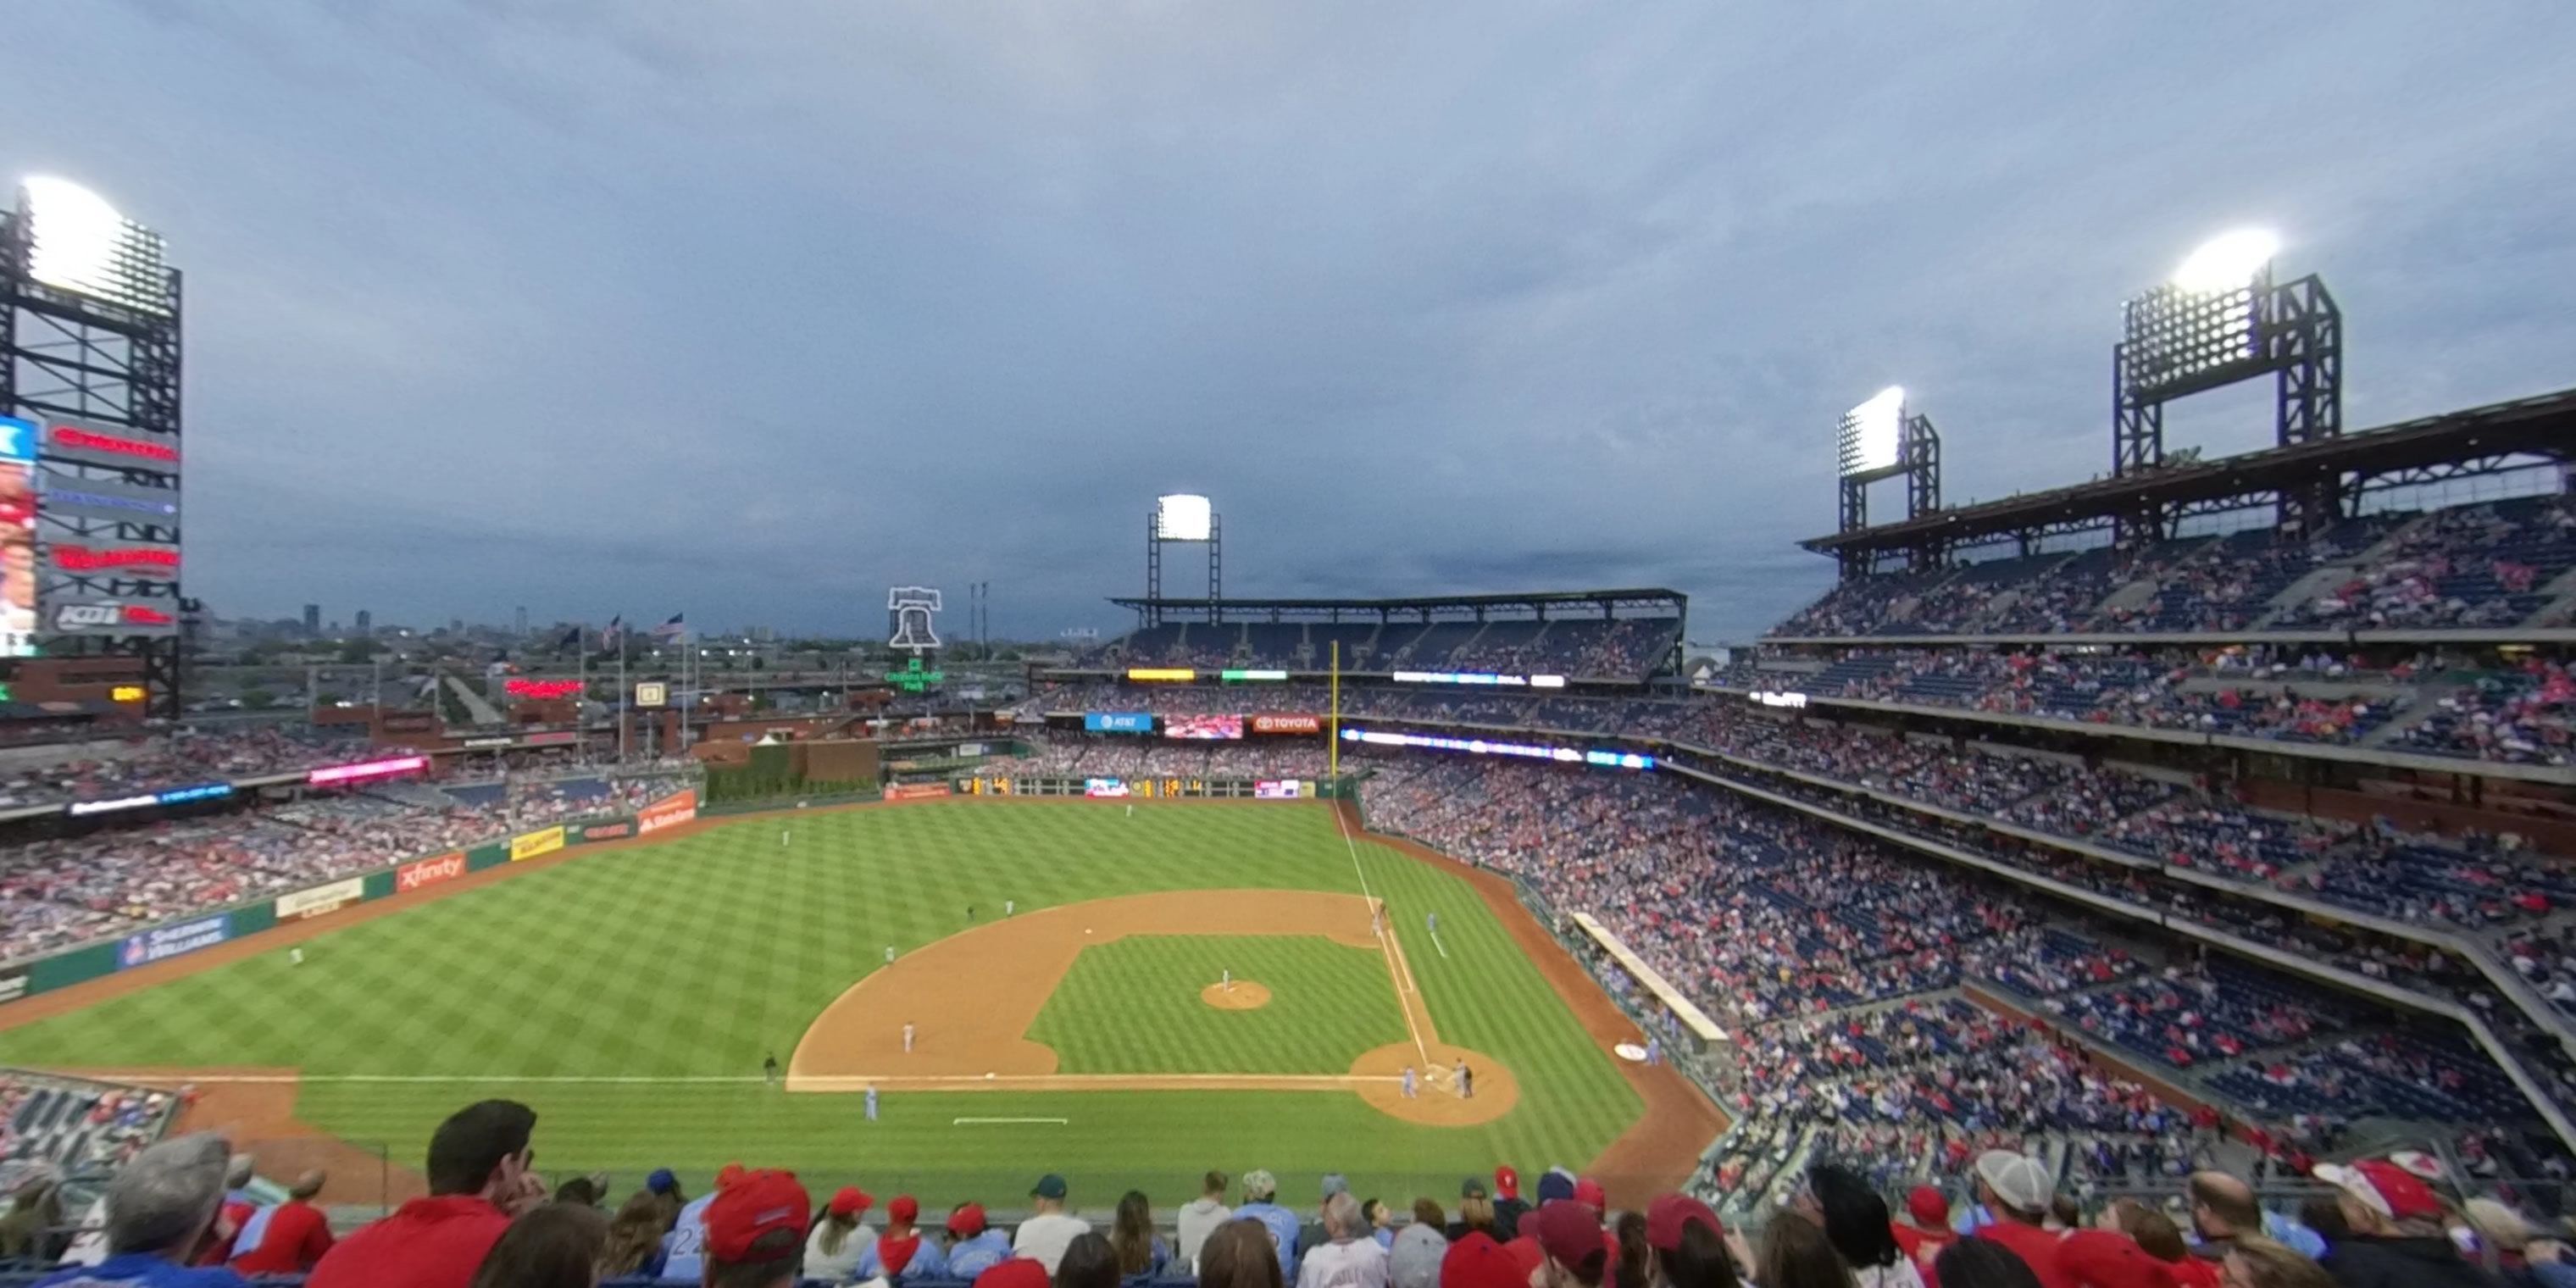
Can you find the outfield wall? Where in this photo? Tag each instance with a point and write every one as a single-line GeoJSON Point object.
{"type": "Point", "coordinates": [186, 934]}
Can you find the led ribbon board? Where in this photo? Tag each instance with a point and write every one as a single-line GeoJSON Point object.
{"type": "Point", "coordinates": [1488, 747]}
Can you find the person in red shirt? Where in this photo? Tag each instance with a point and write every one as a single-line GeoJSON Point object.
{"type": "Point", "coordinates": [237, 1211]}
{"type": "Point", "coordinates": [296, 1237]}
{"type": "Point", "coordinates": [756, 1231]}
{"type": "Point", "coordinates": [2018, 1190]}
{"type": "Point", "coordinates": [1926, 1228]}
{"type": "Point", "coordinates": [478, 1181]}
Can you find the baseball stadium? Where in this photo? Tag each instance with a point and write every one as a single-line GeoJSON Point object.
{"type": "Point", "coordinates": [2162, 879]}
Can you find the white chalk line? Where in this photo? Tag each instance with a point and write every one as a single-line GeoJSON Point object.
{"type": "Point", "coordinates": [851, 1081]}
{"type": "Point", "coordinates": [1009, 1122]}
{"type": "Point", "coordinates": [1400, 973]}
{"type": "Point", "coordinates": [1444, 948]}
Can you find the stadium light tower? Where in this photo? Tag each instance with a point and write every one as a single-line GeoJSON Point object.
{"type": "Point", "coordinates": [1189, 519]}
{"type": "Point", "coordinates": [2218, 320]}
{"type": "Point", "coordinates": [89, 387]}
{"type": "Point", "coordinates": [1879, 440]}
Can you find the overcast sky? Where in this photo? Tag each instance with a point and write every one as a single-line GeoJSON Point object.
{"type": "Point", "coordinates": [753, 309]}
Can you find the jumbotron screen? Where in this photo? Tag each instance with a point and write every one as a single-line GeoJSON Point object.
{"type": "Point", "coordinates": [1204, 727]}
{"type": "Point", "coordinates": [17, 537]}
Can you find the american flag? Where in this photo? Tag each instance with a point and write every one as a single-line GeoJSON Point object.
{"type": "Point", "coordinates": [671, 629]}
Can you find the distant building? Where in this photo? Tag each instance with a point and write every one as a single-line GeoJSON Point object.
{"type": "Point", "coordinates": [366, 622]}
{"type": "Point", "coordinates": [520, 627]}
{"type": "Point", "coordinates": [312, 621]}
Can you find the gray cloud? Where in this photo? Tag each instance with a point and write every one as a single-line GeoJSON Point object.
{"type": "Point", "coordinates": [625, 307]}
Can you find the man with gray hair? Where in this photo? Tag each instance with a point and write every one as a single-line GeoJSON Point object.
{"type": "Point", "coordinates": [160, 1210]}
{"type": "Point", "coordinates": [1351, 1257]}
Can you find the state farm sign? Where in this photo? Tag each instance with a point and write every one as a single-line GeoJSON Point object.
{"type": "Point", "coordinates": [430, 871]}
{"type": "Point", "coordinates": [111, 617]}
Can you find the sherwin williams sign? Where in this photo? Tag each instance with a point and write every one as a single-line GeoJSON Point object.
{"type": "Point", "coordinates": [165, 942]}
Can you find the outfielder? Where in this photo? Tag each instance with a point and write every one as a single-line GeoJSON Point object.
{"type": "Point", "coordinates": [295, 956]}
{"type": "Point", "coordinates": [889, 954]}
{"type": "Point", "coordinates": [872, 1104]}
{"type": "Point", "coordinates": [907, 1037]}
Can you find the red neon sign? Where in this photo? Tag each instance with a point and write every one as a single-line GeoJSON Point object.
{"type": "Point", "coordinates": [66, 436]}
{"type": "Point", "coordinates": [371, 769]}
{"type": "Point", "coordinates": [139, 558]}
{"type": "Point", "coordinates": [543, 689]}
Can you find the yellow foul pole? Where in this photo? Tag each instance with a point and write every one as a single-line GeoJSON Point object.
{"type": "Point", "coordinates": [1333, 722]}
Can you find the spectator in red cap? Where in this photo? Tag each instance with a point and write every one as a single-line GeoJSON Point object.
{"type": "Point", "coordinates": [756, 1231]}
{"type": "Point", "coordinates": [554, 1245]}
{"type": "Point", "coordinates": [478, 1180]}
{"type": "Point", "coordinates": [1018, 1272]}
{"type": "Point", "coordinates": [2396, 1238]}
{"type": "Point", "coordinates": [1475, 1261]}
{"type": "Point", "coordinates": [1569, 1234]}
{"type": "Point", "coordinates": [840, 1237]}
{"type": "Point", "coordinates": [1688, 1246]}
{"type": "Point", "coordinates": [1588, 1191]}
{"type": "Point", "coordinates": [974, 1247]}
{"type": "Point", "coordinates": [901, 1251]}
{"type": "Point", "coordinates": [1508, 1207]}
{"type": "Point", "coordinates": [1241, 1254]}
{"type": "Point", "coordinates": [2110, 1259]}
{"type": "Point", "coordinates": [1925, 1229]}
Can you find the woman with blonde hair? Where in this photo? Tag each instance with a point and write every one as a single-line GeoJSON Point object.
{"type": "Point", "coordinates": [634, 1244]}
{"type": "Point", "coordinates": [839, 1238]}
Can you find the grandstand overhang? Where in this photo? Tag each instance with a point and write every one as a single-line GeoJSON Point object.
{"type": "Point", "coordinates": [2453, 444]}
{"type": "Point", "coordinates": [1547, 605]}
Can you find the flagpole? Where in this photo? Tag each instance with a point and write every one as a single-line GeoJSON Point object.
{"type": "Point", "coordinates": [621, 701]}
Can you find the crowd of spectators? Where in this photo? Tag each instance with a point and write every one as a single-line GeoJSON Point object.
{"type": "Point", "coordinates": [2483, 565]}
{"type": "Point", "coordinates": [1628, 648]}
{"type": "Point", "coordinates": [104, 769]}
{"type": "Point", "coordinates": [1147, 756]}
{"type": "Point", "coordinates": [71, 889]}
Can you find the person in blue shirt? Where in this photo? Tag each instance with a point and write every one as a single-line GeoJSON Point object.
{"type": "Point", "coordinates": [684, 1249]}
{"type": "Point", "coordinates": [159, 1210]}
{"type": "Point", "coordinates": [974, 1247]}
{"type": "Point", "coordinates": [1259, 1191]}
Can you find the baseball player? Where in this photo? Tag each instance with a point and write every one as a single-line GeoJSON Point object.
{"type": "Point", "coordinates": [1654, 1049]}
{"type": "Point", "coordinates": [1227, 976]}
{"type": "Point", "coordinates": [1131, 811]}
{"type": "Point", "coordinates": [769, 1068]}
{"type": "Point", "coordinates": [872, 1104]}
{"type": "Point", "coordinates": [1431, 922]}
{"type": "Point", "coordinates": [1466, 1082]}
{"type": "Point", "coordinates": [295, 955]}
{"type": "Point", "coordinates": [1010, 906]}
{"type": "Point", "coordinates": [889, 954]}
{"type": "Point", "coordinates": [782, 836]}
{"type": "Point", "coordinates": [907, 1037]}
{"type": "Point", "coordinates": [1409, 1091]}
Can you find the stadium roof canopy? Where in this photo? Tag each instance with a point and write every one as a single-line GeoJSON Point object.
{"type": "Point", "coordinates": [2451, 445]}
{"type": "Point", "coordinates": [1654, 601]}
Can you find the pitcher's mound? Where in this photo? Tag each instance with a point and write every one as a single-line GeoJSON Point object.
{"type": "Point", "coordinates": [1244, 996]}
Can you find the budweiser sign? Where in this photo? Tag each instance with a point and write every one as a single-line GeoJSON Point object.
{"type": "Point", "coordinates": [134, 561]}
{"type": "Point", "coordinates": [430, 871]}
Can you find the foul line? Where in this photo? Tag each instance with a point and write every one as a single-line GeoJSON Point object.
{"type": "Point", "coordinates": [1004, 1122]}
{"type": "Point", "coordinates": [853, 1082]}
{"type": "Point", "coordinates": [1401, 975]}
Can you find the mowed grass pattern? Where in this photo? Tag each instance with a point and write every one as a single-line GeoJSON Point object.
{"type": "Point", "coordinates": [1133, 1006]}
{"type": "Point", "coordinates": [662, 974]}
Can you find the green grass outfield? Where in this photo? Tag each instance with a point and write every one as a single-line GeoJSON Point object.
{"type": "Point", "coordinates": [630, 995]}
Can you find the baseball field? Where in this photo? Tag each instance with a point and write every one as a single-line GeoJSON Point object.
{"type": "Point", "coordinates": [1184, 987]}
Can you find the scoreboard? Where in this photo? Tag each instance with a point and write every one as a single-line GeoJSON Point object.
{"type": "Point", "coordinates": [1162, 788]}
